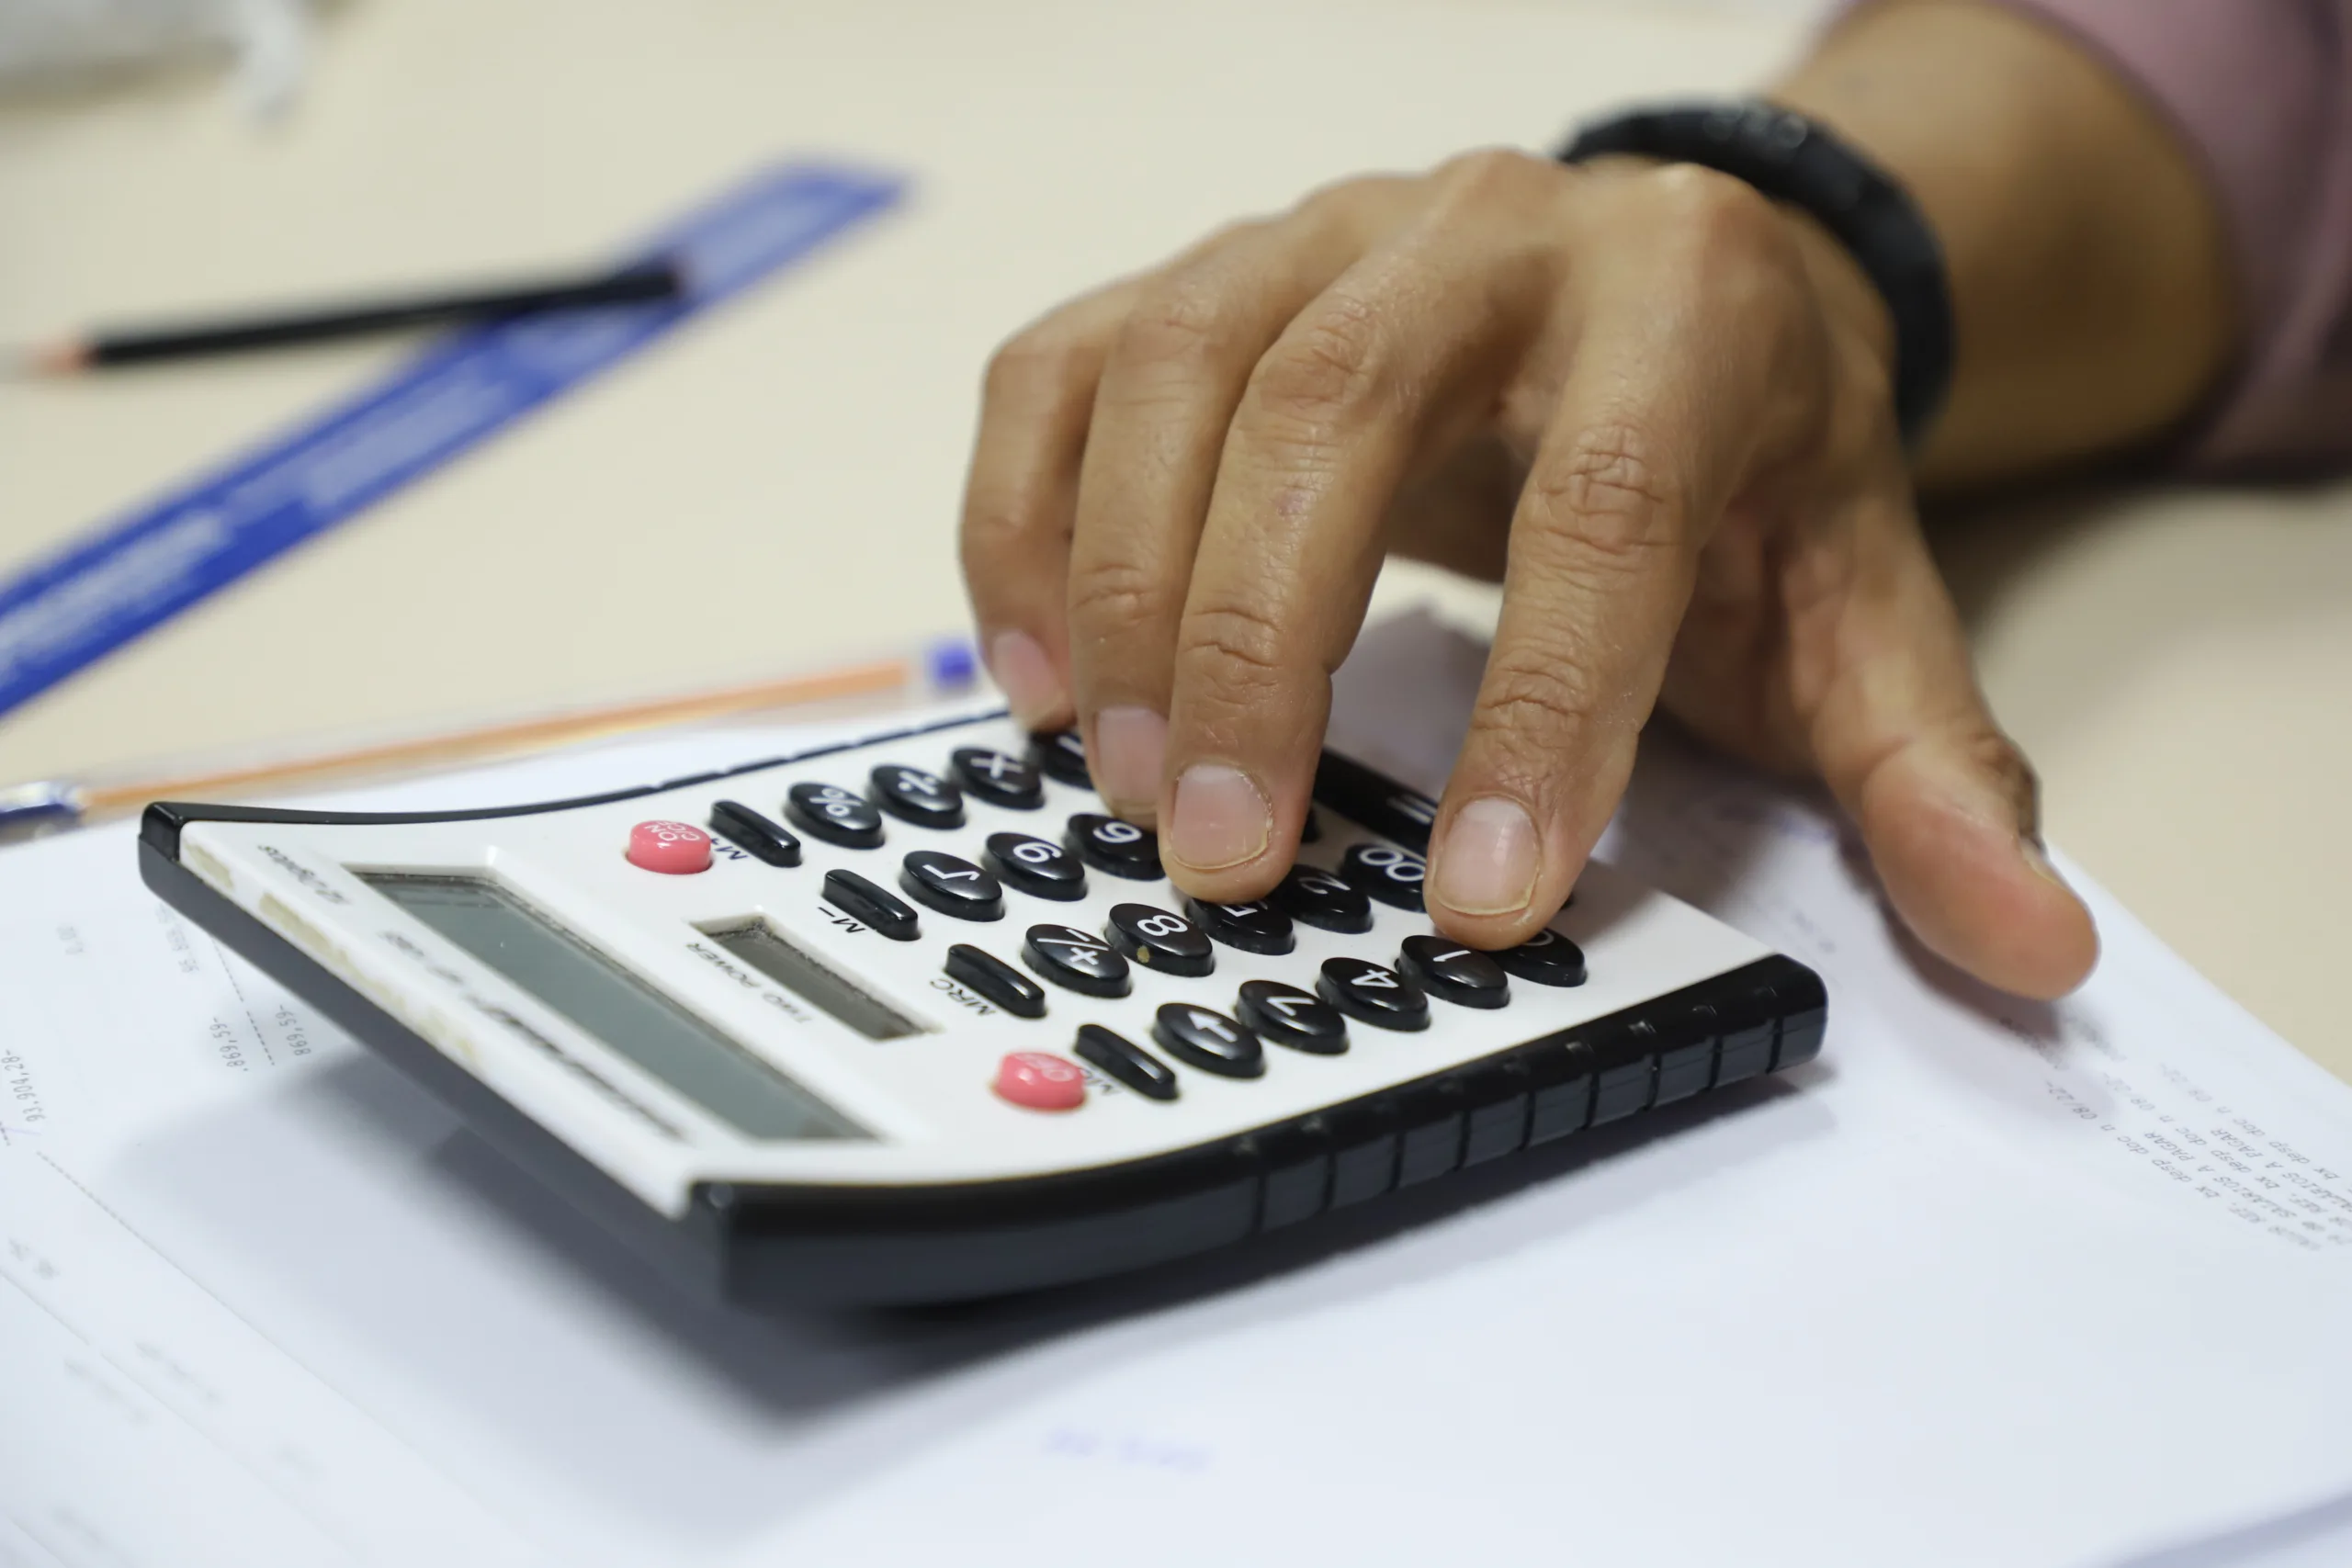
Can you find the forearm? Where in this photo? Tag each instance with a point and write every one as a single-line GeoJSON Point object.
{"type": "Point", "coordinates": [2090, 271]}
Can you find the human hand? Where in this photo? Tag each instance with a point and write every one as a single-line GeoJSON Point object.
{"type": "Point", "coordinates": [1650, 402]}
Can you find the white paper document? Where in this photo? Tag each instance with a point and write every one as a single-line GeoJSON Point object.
{"type": "Point", "coordinates": [1991, 1283]}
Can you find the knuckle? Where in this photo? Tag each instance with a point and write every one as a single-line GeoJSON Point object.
{"type": "Point", "coordinates": [1327, 365]}
{"type": "Point", "coordinates": [1607, 499]}
{"type": "Point", "coordinates": [1501, 173]}
{"type": "Point", "coordinates": [1038, 362]}
{"type": "Point", "coordinates": [1182, 329]}
{"type": "Point", "coordinates": [998, 525]}
{"type": "Point", "coordinates": [1232, 653]}
{"type": "Point", "coordinates": [1721, 214]}
{"type": "Point", "coordinates": [1533, 702]}
{"type": "Point", "coordinates": [1345, 200]}
{"type": "Point", "coordinates": [988, 530]}
{"type": "Point", "coordinates": [1720, 238]}
{"type": "Point", "coordinates": [1111, 595]}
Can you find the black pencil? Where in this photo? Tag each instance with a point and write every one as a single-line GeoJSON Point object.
{"type": "Point", "coordinates": [315, 323]}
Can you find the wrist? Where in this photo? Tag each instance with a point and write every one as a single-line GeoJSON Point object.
{"type": "Point", "coordinates": [1803, 166]}
{"type": "Point", "coordinates": [2089, 267]}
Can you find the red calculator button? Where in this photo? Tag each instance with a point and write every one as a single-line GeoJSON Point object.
{"type": "Point", "coordinates": [1041, 1080]}
{"type": "Point", "coordinates": [676, 848]}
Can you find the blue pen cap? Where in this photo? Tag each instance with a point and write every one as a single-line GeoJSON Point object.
{"type": "Point", "coordinates": [951, 663]}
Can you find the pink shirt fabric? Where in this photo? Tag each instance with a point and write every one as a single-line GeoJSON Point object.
{"type": "Point", "coordinates": [2262, 91]}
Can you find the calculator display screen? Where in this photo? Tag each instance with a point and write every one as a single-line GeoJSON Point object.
{"type": "Point", "coordinates": [638, 1022]}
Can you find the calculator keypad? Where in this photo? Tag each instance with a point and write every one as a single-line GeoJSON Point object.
{"type": "Point", "coordinates": [1036, 866]}
{"type": "Point", "coordinates": [1127, 1062]}
{"type": "Point", "coordinates": [1192, 1033]}
{"type": "Point", "coordinates": [1373, 993]}
{"type": "Point", "coordinates": [747, 829]}
{"type": "Point", "coordinates": [876, 906]}
{"type": "Point", "coordinates": [912, 796]}
{"type": "Point", "coordinates": [1547, 958]}
{"type": "Point", "coordinates": [997, 778]}
{"type": "Point", "coordinates": [1252, 927]}
{"type": "Point", "coordinates": [833, 814]}
{"type": "Point", "coordinates": [1209, 1041]}
{"type": "Point", "coordinates": [1116, 847]}
{"type": "Point", "coordinates": [1062, 755]}
{"type": "Point", "coordinates": [675, 849]}
{"type": "Point", "coordinates": [951, 884]}
{"type": "Point", "coordinates": [998, 981]}
{"type": "Point", "coordinates": [1076, 960]}
{"type": "Point", "coordinates": [1339, 898]}
{"type": "Point", "coordinates": [1041, 1081]}
{"type": "Point", "coordinates": [1323, 899]}
{"type": "Point", "coordinates": [1288, 1016]}
{"type": "Point", "coordinates": [1387, 872]}
{"type": "Point", "coordinates": [1160, 940]}
{"type": "Point", "coordinates": [1459, 974]}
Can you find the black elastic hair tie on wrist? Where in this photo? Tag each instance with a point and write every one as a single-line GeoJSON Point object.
{"type": "Point", "coordinates": [1792, 159]}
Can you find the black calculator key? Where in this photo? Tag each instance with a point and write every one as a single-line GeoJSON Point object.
{"type": "Point", "coordinates": [1158, 940]}
{"type": "Point", "coordinates": [1547, 958]}
{"type": "Point", "coordinates": [1209, 1041]}
{"type": "Point", "coordinates": [1125, 1061]}
{"type": "Point", "coordinates": [1121, 849]}
{"type": "Point", "coordinates": [1288, 1016]}
{"type": "Point", "coordinates": [876, 906]}
{"type": "Point", "coordinates": [1252, 927]}
{"type": "Point", "coordinates": [1388, 874]}
{"type": "Point", "coordinates": [833, 814]}
{"type": "Point", "coordinates": [1373, 993]}
{"type": "Point", "coordinates": [1079, 960]}
{"type": "Point", "coordinates": [951, 884]}
{"type": "Point", "coordinates": [1459, 974]}
{"type": "Point", "coordinates": [1062, 755]}
{"type": "Point", "coordinates": [1375, 800]}
{"type": "Point", "coordinates": [1036, 866]}
{"type": "Point", "coordinates": [746, 828]}
{"type": "Point", "coordinates": [997, 778]}
{"type": "Point", "coordinates": [1324, 899]}
{"type": "Point", "coordinates": [912, 796]}
{"type": "Point", "coordinates": [998, 981]}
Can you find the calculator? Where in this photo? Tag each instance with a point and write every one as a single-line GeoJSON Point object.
{"type": "Point", "coordinates": [915, 1020]}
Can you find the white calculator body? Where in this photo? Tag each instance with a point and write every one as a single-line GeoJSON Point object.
{"type": "Point", "coordinates": [912, 1020]}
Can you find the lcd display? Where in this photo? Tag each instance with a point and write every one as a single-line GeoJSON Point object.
{"type": "Point", "coordinates": [610, 1002]}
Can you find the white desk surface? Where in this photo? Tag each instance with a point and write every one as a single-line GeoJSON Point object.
{"type": "Point", "coordinates": [2177, 663]}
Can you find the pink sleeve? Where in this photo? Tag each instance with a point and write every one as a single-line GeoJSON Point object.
{"type": "Point", "coordinates": [2262, 91]}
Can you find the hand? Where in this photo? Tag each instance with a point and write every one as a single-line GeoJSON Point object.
{"type": "Point", "coordinates": [1650, 402]}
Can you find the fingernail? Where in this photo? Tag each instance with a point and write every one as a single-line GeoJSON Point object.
{"type": "Point", "coordinates": [1017, 661]}
{"type": "Point", "coordinates": [1130, 753]}
{"type": "Point", "coordinates": [1486, 865]}
{"type": "Point", "coordinates": [1220, 817]}
{"type": "Point", "coordinates": [2039, 858]}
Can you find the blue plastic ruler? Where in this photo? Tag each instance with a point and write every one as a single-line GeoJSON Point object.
{"type": "Point", "coordinates": [108, 587]}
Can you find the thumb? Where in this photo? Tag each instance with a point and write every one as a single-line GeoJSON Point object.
{"type": "Point", "coordinates": [1947, 804]}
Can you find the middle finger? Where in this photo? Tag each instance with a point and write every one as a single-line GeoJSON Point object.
{"type": "Point", "coordinates": [1389, 369]}
{"type": "Point", "coordinates": [1175, 377]}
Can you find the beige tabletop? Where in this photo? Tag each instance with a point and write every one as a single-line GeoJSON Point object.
{"type": "Point", "coordinates": [2178, 664]}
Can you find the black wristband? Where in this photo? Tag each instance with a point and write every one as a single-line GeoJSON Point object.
{"type": "Point", "coordinates": [1790, 159]}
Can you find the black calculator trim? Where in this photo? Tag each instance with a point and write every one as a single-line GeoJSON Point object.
{"type": "Point", "coordinates": [777, 1244]}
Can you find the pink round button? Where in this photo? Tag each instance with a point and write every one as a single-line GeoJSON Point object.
{"type": "Point", "coordinates": [676, 848]}
{"type": "Point", "coordinates": [1041, 1080]}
